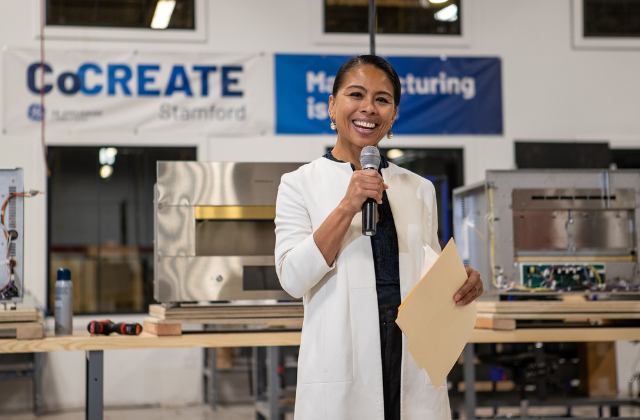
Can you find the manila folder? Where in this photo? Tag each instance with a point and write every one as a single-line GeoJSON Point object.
{"type": "Point", "coordinates": [436, 328]}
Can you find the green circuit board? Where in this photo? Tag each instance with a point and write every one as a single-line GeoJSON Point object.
{"type": "Point", "coordinates": [562, 275]}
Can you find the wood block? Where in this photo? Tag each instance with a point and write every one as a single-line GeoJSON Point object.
{"type": "Point", "coordinates": [491, 323]}
{"type": "Point", "coordinates": [20, 315]}
{"type": "Point", "coordinates": [158, 328]}
{"type": "Point", "coordinates": [22, 330]}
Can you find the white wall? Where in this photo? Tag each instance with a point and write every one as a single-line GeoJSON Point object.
{"type": "Point", "coordinates": [550, 92]}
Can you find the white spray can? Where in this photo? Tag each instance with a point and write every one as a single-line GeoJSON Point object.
{"type": "Point", "coordinates": [64, 303]}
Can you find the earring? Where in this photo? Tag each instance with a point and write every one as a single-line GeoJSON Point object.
{"type": "Point", "coordinates": [389, 135]}
{"type": "Point", "coordinates": [333, 125]}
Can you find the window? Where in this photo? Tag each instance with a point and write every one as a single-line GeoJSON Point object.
{"type": "Point", "coordinates": [418, 23]}
{"type": "Point", "coordinates": [606, 23]}
{"type": "Point", "coordinates": [100, 209]}
{"type": "Point", "coordinates": [123, 20]}
{"type": "Point", "coordinates": [156, 14]}
{"type": "Point", "coordinates": [394, 17]}
{"type": "Point", "coordinates": [612, 18]}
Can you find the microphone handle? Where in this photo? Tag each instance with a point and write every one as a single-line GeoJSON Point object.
{"type": "Point", "coordinates": [369, 217]}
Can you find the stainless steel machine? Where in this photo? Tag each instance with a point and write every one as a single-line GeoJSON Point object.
{"type": "Point", "coordinates": [552, 231]}
{"type": "Point", "coordinates": [214, 231]}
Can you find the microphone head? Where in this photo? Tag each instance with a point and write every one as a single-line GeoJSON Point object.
{"type": "Point", "coordinates": [370, 157]}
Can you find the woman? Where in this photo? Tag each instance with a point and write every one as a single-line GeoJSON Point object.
{"type": "Point", "coordinates": [353, 361]}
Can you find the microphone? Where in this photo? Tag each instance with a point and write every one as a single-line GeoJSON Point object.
{"type": "Point", "coordinates": [369, 159]}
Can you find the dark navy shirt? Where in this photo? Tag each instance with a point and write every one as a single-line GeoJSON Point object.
{"type": "Point", "coordinates": [384, 245]}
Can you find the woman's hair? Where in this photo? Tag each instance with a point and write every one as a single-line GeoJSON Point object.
{"type": "Point", "coordinates": [369, 60]}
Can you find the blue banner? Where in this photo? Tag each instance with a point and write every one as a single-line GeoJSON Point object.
{"type": "Point", "coordinates": [454, 95]}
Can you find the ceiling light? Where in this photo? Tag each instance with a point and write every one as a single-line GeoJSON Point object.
{"type": "Point", "coordinates": [162, 15]}
{"type": "Point", "coordinates": [395, 153]}
{"type": "Point", "coordinates": [438, 1]}
{"type": "Point", "coordinates": [448, 14]}
{"type": "Point", "coordinates": [106, 171]}
{"type": "Point", "coordinates": [107, 155]}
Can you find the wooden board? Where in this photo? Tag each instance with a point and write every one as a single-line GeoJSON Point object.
{"type": "Point", "coordinates": [22, 330]}
{"type": "Point", "coordinates": [84, 341]}
{"type": "Point", "coordinates": [280, 310]}
{"type": "Point", "coordinates": [20, 315]}
{"type": "Point", "coordinates": [164, 327]}
{"type": "Point", "coordinates": [538, 307]}
{"type": "Point", "coordinates": [576, 316]}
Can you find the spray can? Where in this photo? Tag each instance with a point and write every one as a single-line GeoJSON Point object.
{"type": "Point", "coordinates": [64, 303]}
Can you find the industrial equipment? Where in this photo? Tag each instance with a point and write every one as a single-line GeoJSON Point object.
{"type": "Point", "coordinates": [12, 236]}
{"type": "Point", "coordinates": [551, 231]}
{"type": "Point", "coordinates": [215, 231]}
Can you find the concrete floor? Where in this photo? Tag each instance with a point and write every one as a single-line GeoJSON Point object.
{"type": "Point", "coordinates": [246, 412]}
{"type": "Point", "coordinates": [198, 412]}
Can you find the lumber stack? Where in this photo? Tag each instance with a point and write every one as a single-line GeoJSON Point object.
{"type": "Point", "coordinates": [511, 315]}
{"type": "Point", "coordinates": [168, 321]}
{"type": "Point", "coordinates": [23, 324]}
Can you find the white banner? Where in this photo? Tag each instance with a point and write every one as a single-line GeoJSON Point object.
{"type": "Point", "coordinates": [140, 93]}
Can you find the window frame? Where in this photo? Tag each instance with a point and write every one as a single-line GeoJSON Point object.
{"type": "Point", "coordinates": [81, 33]}
{"type": "Point", "coordinates": [595, 43]}
{"type": "Point", "coordinates": [198, 145]}
{"type": "Point", "coordinates": [319, 37]}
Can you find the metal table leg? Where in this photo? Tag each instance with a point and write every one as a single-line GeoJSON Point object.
{"type": "Point", "coordinates": [273, 353]}
{"type": "Point", "coordinates": [94, 403]}
{"type": "Point", "coordinates": [469, 381]}
{"type": "Point", "coordinates": [210, 377]}
{"type": "Point", "coordinates": [37, 383]}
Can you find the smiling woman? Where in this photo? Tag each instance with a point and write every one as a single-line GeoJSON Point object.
{"type": "Point", "coordinates": [353, 362]}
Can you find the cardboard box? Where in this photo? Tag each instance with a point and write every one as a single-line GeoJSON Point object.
{"type": "Point", "coordinates": [598, 369]}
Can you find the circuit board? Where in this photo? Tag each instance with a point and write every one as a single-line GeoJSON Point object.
{"type": "Point", "coordinates": [565, 276]}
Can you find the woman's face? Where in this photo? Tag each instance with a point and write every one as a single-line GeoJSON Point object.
{"type": "Point", "coordinates": [363, 108]}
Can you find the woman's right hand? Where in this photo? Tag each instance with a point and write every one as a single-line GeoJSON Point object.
{"type": "Point", "coordinates": [364, 184]}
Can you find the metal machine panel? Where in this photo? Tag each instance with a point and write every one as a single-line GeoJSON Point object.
{"type": "Point", "coordinates": [176, 231]}
{"type": "Point", "coordinates": [540, 230]}
{"type": "Point", "coordinates": [11, 181]}
{"type": "Point", "coordinates": [572, 199]}
{"type": "Point", "coordinates": [214, 235]}
{"type": "Point", "coordinates": [220, 183]}
{"type": "Point", "coordinates": [189, 279]}
{"type": "Point", "coordinates": [608, 231]}
{"type": "Point", "coordinates": [470, 229]}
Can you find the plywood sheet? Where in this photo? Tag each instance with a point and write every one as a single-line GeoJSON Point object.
{"type": "Point", "coordinates": [437, 329]}
{"type": "Point", "coordinates": [537, 307]}
{"type": "Point", "coordinates": [280, 310]}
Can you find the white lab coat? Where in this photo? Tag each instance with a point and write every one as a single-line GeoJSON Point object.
{"type": "Point", "coordinates": [339, 366]}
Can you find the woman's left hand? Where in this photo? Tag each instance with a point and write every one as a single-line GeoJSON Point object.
{"type": "Point", "coordinates": [471, 289]}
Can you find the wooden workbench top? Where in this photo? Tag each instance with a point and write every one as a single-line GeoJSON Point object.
{"type": "Point", "coordinates": [84, 342]}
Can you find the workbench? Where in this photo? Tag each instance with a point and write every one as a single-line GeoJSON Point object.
{"type": "Point", "coordinates": [94, 347]}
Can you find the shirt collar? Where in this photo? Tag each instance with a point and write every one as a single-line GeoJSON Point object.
{"type": "Point", "coordinates": [384, 163]}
